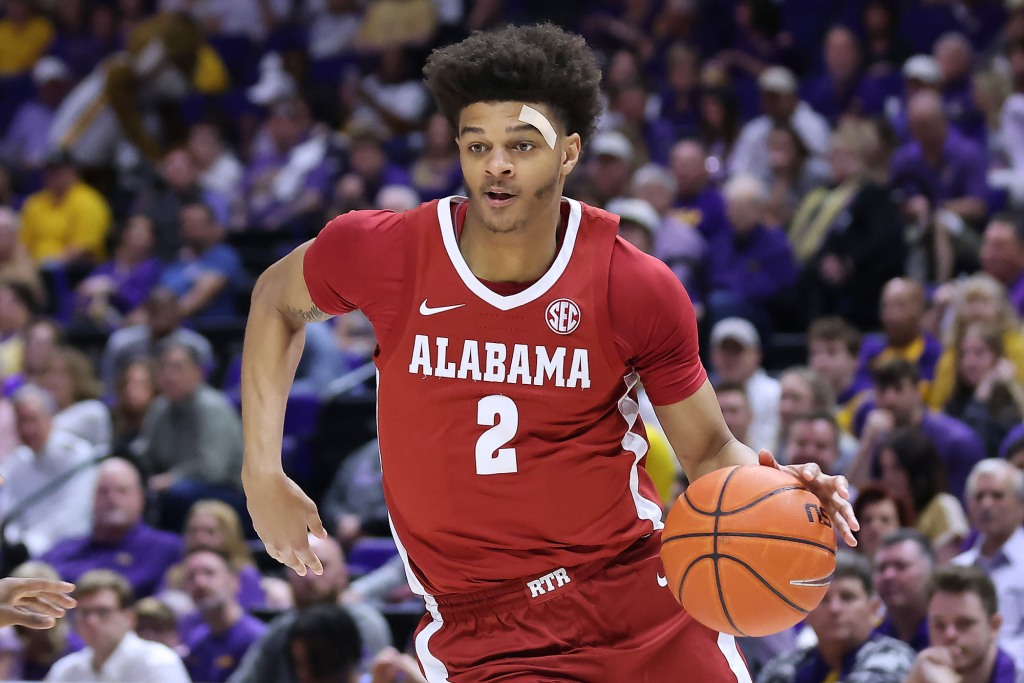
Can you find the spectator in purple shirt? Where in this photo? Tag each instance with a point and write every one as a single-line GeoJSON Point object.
{"type": "Point", "coordinates": [963, 625]}
{"type": "Point", "coordinates": [748, 272]}
{"type": "Point", "coordinates": [217, 645]}
{"type": "Point", "coordinates": [117, 288]}
{"type": "Point", "coordinates": [26, 142]}
{"type": "Point", "coordinates": [955, 57]}
{"type": "Point", "coordinates": [370, 170]}
{"type": "Point", "coordinates": [119, 541]}
{"type": "Point", "coordinates": [289, 182]}
{"type": "Point", "coordinates": [903, 564]}
{"type": "Point", "coordinates": [698, 202]}
{"type": "Point", "coordinates": [939, 168]}
{"type": "Point", "coordinates": [836, 91]}
{"type": "Point", "coordinates": [628, 114]}
{"type": "Point", "coordinates": [1002, 255]}
{"type": "Point", "coordinates": [898, 404]}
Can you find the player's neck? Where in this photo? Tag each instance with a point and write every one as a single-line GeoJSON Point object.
{"type": "Point", "coordinates": [523, 255]}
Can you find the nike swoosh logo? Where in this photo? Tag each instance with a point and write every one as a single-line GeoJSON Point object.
{"type": "Point", "coordinates": [427, 310]}
{"type": "Point", "coordinates": [662, 581]}
{"type": "Point", "coordinates": [813, 583]}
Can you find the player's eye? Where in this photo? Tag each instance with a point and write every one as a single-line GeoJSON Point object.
{"type": "Point", "coordinates": [525, 147]}
{"type": "Point", "coordinates": [476, 148]}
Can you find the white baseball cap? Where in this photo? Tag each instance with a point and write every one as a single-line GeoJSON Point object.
{"type": "Point", "coordinates": [737, 329]}
{"type": "Point", "coordinates": [614, 144]}
{"type": "Point", "coordinates": [777, 79]}
{"type": "Point", "coordinates": [50, 68]}
{"type": "Point", "coordinates": [638, 211]}
{"type": "Point", "coordinates": [922, 68]}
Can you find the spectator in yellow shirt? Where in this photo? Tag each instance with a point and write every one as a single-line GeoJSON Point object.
{"type": "Point", "coordinates": [67, 221]}
{"type": "Point", "coordinates": [24, 37]}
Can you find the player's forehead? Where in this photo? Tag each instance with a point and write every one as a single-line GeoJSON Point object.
{"type": "Point", "coordinates": [506, 118]}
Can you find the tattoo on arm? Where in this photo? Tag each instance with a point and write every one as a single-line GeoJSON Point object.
{"type": "Point", "coordinates": [311, 315]}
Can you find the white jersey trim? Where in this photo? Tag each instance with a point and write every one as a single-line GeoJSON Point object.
{"type": "Point", "coordinates": [637, 445]}
{"type": "Point", "coordinates": [433, 667]}
{"type": "Point", "coordinates": [531, 293]}
{"type": "Point", "coordinates": [727, 644]}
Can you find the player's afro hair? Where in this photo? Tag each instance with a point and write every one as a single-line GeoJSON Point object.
{"type": "Point", "coordinates": [541, 63]}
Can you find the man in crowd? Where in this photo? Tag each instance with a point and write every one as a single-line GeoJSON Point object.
{"type": "Point", "coordinates": [217, 645]}
{"type": "Point", "coordinates": [902, 566]}
{"type": "Point", "coordinates": [119, 539]}
{"type": "Point", "coordinates": [995, 502]}
{"type": "Point", "coordinates": [814, 437]}
{"type": "Point", "coordinates": [105, 620]}
{"type": "Point", "coordinates": [736, 357]}
{"type": "Point", "coordinates": [267, 659]}
{"type": "Point", "coordinates": [847, 650]}
{"type": "Point", "coordinates": [963, 621]}
{"type": "Point", "coordinates": [191, 439]}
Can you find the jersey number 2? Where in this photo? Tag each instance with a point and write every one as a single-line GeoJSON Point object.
{"type": "Point", "coordinates": [502, 416]}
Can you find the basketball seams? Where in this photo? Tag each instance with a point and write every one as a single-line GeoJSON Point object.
{"type": "Point", "coordinates": [743, 508]}
{"type": "Point", "coordinates": [765, 583]}
{"type": "Point", "coordinates": [718, 573]}
{"type": "Point", "coordinates": [751, 534]}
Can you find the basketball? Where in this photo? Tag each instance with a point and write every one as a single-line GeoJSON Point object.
{"type": "Point", "coordinates": [748, 550]}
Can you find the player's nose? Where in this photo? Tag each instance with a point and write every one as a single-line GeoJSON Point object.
{"type": "Point", "coordinates": [500, 162]}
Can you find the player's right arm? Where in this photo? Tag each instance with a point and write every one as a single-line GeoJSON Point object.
{"type": "Point", "coordinates": [274, 337]}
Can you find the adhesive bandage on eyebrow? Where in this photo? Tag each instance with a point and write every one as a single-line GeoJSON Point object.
{"type": "Point", "coordinates": [540, 122]}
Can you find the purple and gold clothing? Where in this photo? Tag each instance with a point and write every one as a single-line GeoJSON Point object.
{"type": "Point", "coordinates": [142, 556]}
{"type": "Point", "coordinates": [961, 172]}
{"type": "Point", "coordinates": [924, 352]}
{"type": "Point", "coordinates": [919, 641]}
{"type": "Point", "coordinates": [214, 657]}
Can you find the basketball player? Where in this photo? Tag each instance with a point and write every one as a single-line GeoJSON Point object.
{"type": "Point", "coordinates": [513, 328]}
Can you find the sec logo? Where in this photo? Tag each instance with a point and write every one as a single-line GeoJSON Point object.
{"type": "Point", "coordinates": [563, 316]}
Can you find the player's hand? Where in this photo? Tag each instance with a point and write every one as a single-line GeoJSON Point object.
{"type": "Point", "coordinates": [832, 491]}
{"type": "Point", "coordinates": [283, 516]}
{"type": "Point", "coordinates": [34, 603]}
{"type": "Point", "coordinates": [933, 665]}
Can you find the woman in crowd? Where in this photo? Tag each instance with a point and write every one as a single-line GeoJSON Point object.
{"type": "Point", "coordinates": [976, 299]}
{"type": "Point", "coordinates": [214, 524]}
{"type": "Point", "coordinates": [118, 287]}
{"type": "Point", "coordinates": [134, 390]}
{"type": "Point", "coordinates": [986, 394]}
{"type": "Point", "coordinates": [71, 380]}
{"type": "Point", "coordinates": [880, 513]}
{"type": "Point", "coordinates": [911, 469]}
{"type": "Point", "coordinates": [802, 391]}
{"type": "Point", "coordinates": [792, 174]}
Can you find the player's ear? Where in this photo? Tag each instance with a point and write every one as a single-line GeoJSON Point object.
{"type": "Point", "coordinates": [571, 146]}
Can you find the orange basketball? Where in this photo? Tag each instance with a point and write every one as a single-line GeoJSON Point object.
{"type": "Point", "coordinates": [748, 550]}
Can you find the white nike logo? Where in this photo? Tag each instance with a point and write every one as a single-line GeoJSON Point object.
{"type": "Point", "coordinates": [427, 310]}
{"type": "Point", "coordinates": [662, 581]}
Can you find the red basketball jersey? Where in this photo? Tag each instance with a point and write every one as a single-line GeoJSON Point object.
{"type": "Point", "coordinates": [509, 432]}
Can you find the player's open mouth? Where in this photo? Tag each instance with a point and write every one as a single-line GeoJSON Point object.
{"type": "Point", "coordinates": [495, 198]}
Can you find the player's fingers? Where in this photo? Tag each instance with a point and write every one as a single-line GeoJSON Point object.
{"type": "Point", "coordinates": [309, 559]}
{"type": "Point", "coordinates": [809, 471]}
{"type": "Point", "coordinates": [844, 519]}
{"type": "Point", "coordinates": [35, 586]}
{"type": "Point", "coordinates": [19, 617]}
{"type": "Point", "coordinates": [40, 605]}
{"type": "Point", "coordinates": [842, 486]}
{"type": "Point", "coordinates": [316, 526]}
{"type": "Point", "coordinates": [765, 458]}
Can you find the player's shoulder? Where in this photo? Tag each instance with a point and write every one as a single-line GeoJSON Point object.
{"type": "Point", "coordinates": [382, 220]}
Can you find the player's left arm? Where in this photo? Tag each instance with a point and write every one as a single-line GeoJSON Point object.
{"type": "Point", "coordinates": [703, 443]}
{"type": "Point", "coordinates": [657, 332]}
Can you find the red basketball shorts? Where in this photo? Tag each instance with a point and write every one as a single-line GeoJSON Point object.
{"type": "Point", "coordinates": [610, 623]}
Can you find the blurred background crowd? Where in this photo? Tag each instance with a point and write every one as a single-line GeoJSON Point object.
{"type": "Point", "coordinates": [839, 185]}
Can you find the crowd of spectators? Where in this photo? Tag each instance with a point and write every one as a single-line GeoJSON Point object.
{"type": "Point", "coordinates": [839, 186]}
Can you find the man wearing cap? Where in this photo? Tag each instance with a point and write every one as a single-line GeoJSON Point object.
{"type": "Point", "coordinates": [610, 166]}
{"type": "Point", "coordinates": [919, 73]}
{"type": "Point", "coordinates": [638, 221]}
{"type": "Point", "coordinates": [26, 141]}
{"type": "Point", "coordinates": [781, 105]}
{"type": "Point", "coordinates": [736, 358]}
{"type": "Point", "coordinates": [677, 242]}
{"type": "Point", "coordinates": [67, 221]}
